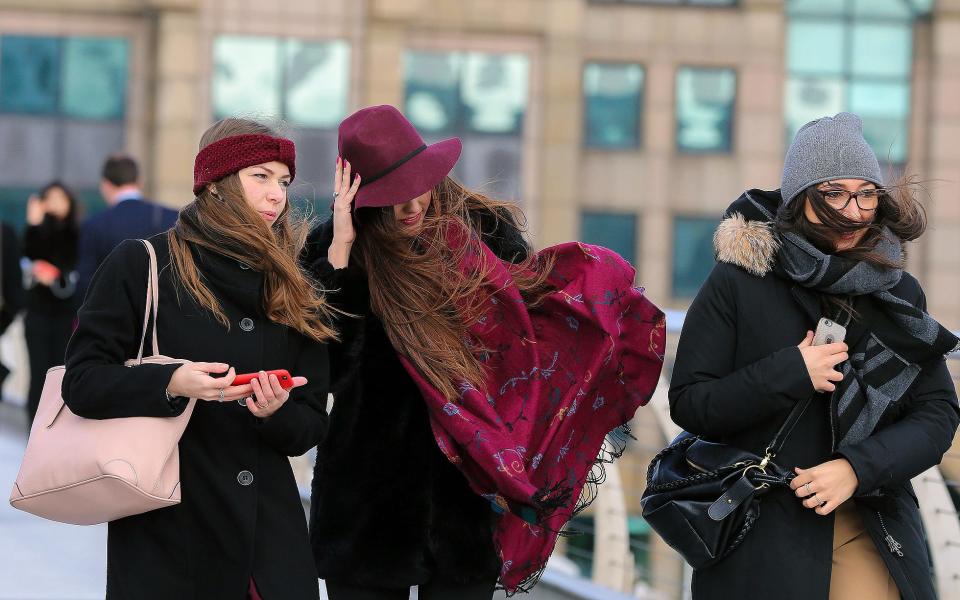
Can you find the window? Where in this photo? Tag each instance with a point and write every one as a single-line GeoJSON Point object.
{"type": "Point", "coordinates": [693, 255]}
{"type": "Point", "coordinates": [305, 83]}
{"type": "Point", "coordinates": [612, 105]}
{"type": "Point", "coordinates": [482, 99]}
{"type": "Point", "coordinates": [853, 55]}
{"type": "Point", "coordinates": [617, 231]}
{"type": "Point", "coordinates": [63, 101]}
{"type": "Point", "coordinates": [705, 99]}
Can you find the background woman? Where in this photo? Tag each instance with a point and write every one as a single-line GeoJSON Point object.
{"type": "Point", "coordinates": [50, 242]}
{"type": "Point", "coordinates": [233, 299]}
{"type": "Point", "coordinates": [828, 244]}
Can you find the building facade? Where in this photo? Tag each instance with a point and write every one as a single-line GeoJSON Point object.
{"type": "Point", "coordinates": [628, 123]}
{"type": "Point", "coordinates": [631, 123]}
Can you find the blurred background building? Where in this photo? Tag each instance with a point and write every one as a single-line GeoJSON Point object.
{"type": "Point", "coordinates": [627, 123]}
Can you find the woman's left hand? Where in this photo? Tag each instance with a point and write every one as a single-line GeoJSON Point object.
{"type": "Point", "coordinates": [268, 395]}
{"type": "Point", "coordinates": [825, 487]}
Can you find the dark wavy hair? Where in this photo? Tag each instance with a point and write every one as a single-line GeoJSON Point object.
{"type": "Point", "coordinates": [898, 210]}
{"type": "Point", "coordinates": [419, 289]}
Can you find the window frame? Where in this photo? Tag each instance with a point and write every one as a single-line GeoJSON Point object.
{"type": "Point", "coordinates": [675, 218]}
{"type": "Point", "coordinates": [460, 127]}
{"type": "Point", "coordinates": [641, 106]}
{"type": "Point", "coordinates": [134, 30]}
{"type": "Point", "coordinates": [732, 138]}
{"type": "Point", "coordinates": [531, 47]}
{"type": "Point", "coordinates": [849, 20]}
{"type": "Point", "coordinates": [311, 196]}
{"type": "Point", "coordinates": [283, 83]}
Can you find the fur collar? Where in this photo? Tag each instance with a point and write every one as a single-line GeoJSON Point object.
{"type": "Point", "coordinates": [745, 237]}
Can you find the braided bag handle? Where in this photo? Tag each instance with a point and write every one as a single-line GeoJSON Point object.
{"type": "Point", "coordinates": [686, 481]}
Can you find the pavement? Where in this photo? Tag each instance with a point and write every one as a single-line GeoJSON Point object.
{"type": "Point", "coordinates": [40, 559]}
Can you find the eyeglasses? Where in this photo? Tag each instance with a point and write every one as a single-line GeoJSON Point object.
{"type": "Point", "coordinates": [867, 200]}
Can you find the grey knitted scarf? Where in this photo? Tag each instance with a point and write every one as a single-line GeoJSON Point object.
{"type": "Point", "coordinates": [901, 339]}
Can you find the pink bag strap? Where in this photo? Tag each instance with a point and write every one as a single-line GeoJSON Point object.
{"type": "Point", "coordinates": [152, 304]}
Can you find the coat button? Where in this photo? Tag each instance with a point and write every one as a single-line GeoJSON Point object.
{"type": "Point", "coordinates": [245, 478]}
{"type": "Point", "coordinates": [246, 324]}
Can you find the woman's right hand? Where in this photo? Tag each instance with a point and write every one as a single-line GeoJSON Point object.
{"type": "Point", "coordinates": [344, 232]}
{"type": "Point", "coordinates": [821, 360]}
{"type": "Point", "coordinates": [193, 380]}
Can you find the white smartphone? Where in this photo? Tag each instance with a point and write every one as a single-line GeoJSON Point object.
{"type": "Point", "coordinates": [829, 332]}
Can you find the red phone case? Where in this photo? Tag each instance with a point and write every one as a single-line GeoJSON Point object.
{"type": "Point", "coordinates": [286, 382]}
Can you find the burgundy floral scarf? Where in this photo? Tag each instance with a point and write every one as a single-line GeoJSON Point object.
{"type": "Point", "coordinates": [561, 377]}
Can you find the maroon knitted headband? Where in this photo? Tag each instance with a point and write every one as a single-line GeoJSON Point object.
{"type": "Point", "coordinates": [231, 154]}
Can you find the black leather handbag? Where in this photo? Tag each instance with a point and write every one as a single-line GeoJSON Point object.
{"type": "Point", "coordinates": [703, 497]}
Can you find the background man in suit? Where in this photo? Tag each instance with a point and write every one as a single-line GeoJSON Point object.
{"type": "Point", "coordinates": [128, 216]}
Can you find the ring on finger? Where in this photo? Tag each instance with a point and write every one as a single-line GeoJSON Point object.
{"type": "Point", "coordinates": [806, 486]}
{"type": "Point", "coordinates": [261, 403]}
{"type": "Point", "coordinates": [220, 395]}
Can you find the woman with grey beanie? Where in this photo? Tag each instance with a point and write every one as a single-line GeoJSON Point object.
{"type": "Point", "coordinates": [882, 406]}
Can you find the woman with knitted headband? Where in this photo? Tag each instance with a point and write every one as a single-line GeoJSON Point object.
{"type": "Point", "coordinates": [233, 299]}
{"type": "Point", "coordinates": [482, 378]}
{"type": "Point", "coordinates": [875, 400]}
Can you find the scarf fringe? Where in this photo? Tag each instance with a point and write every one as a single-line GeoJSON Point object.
{"type": "Point", "coordinates": [526, 585]}
{"type": "Point", "coordinates": [550, 499]}
{"type": "Point", "coordinates": [614, 445]}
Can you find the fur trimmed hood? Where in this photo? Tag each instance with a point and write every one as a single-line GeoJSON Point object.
{"type": "Point", "coordinates": [745, 236]}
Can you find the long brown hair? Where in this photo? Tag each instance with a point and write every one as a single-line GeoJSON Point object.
{"type": "Point", "coordinates": [223, 222]}
{"type": "Point", "coordinates": [898, 210]}
{"type": "Point", "coordinates": [419, 290]}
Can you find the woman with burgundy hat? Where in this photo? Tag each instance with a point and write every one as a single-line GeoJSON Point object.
{"type": "Point", "coordinates": [480, 378]}
{"type": "Point", "coordinates": [233, 299]}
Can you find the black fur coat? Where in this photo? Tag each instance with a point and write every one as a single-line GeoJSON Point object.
{"type": "Point", "coordinates": [387, 508]}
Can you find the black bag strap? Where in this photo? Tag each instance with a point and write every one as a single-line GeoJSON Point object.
{"type": "Point", "coordinates": [773, 448]}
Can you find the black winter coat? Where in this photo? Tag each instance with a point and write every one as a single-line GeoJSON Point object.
{"type": "Point", "coordinates": [55, 242]}
{"type": "Point", "coordinates": [738, 373]}
{"type": "Point", "coordinates": [387, 509]}
{"type": "Point", "coordinates": [241, 513]}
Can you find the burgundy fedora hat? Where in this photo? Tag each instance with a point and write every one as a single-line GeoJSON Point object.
{"type": "Point", "coordinates": [394, 163]}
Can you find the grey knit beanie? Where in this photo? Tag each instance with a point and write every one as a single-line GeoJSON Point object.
{"type": "Point", "coordinates": [827, 149]}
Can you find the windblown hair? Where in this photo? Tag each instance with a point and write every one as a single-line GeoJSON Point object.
{"type": "Point", "coordinates": [223, 222]}
{"type": "Point", "coordinates": [898, 210]}
{"type": "Point", "coordinates": [427, 293]}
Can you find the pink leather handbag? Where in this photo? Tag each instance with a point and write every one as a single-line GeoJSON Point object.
{"type": "Point", "coordinates": [86, 471]}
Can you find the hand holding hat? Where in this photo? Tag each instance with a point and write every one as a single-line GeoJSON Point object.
{"type": "Point", "coordinates": [395, 164]}
{"type": "Point", "coordinates": [383, 162]}
{"type": "Point", "coordinates": [344, 233]}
